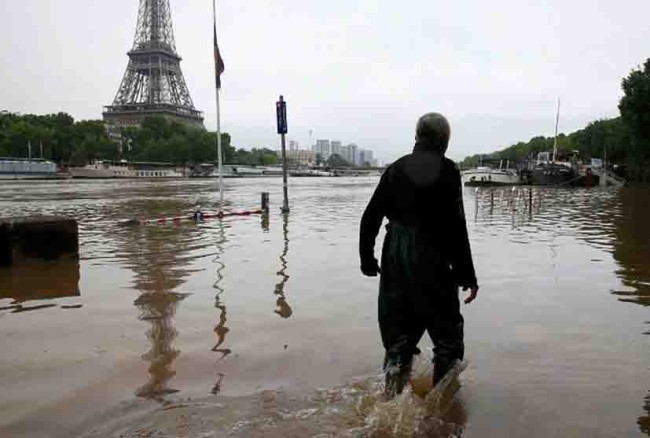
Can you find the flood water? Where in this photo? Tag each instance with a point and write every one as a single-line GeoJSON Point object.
{"type": "Point", "coordinates": [252, 327]}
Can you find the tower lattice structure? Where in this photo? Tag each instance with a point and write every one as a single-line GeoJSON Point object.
{"type": "Point", "coordinates": [153, 83]}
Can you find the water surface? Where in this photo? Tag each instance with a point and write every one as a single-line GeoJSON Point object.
{"type": "Point", "coordinates": [264, 327]}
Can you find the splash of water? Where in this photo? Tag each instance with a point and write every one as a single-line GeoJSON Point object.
{"type": "Point", "coordinates": [419, 411]}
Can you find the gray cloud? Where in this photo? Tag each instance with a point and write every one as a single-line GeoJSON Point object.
{"type": "Point", "coordinates": [357, 71]}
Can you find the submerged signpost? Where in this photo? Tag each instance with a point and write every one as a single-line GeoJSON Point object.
{"type": "Point", "coordinates": [281, 113]}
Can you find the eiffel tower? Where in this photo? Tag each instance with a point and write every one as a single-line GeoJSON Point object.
{"type": "Point", "coordinates": [153, 83]}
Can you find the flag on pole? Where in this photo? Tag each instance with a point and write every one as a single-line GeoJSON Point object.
{"type": "Point", "coordinates": [218, 60]}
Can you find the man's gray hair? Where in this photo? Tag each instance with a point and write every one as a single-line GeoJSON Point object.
{"type": "Point", "coordinates": [434, 129]}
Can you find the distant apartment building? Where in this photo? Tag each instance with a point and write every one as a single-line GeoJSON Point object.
{"type": "Point", "coordinates": [294, 145]}
{"type": "Point", "coordinates": [362, 157]}
{"type": "Point", "coordinates": [322, 148]}
{"type": "Point", "coordinates": [301, 157]}
{"type": "Point", "coordinates": [345, 152]}
{"type": "Point", "coordinates": [365, 157]}
{"type": "Point", "coordinates": [350, 153]}
{"type": "Point", "coordinates": [335, 147]}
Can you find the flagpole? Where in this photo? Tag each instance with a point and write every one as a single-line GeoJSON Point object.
{"type": "Point", "coordinates": [557, 122]}
{"type": "Point", "coordinates": [219, 152]}
{"type": "Point", "coordinates": [220, 156]}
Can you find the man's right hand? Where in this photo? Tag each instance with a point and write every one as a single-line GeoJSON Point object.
{"type": "Point", "coordinates": [473, 292]}
{"type": "Point", "coordinates": [370, 268]}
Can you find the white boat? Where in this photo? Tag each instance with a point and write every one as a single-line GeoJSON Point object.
{"type": "Point", "coordinates": [309, 172]}
{"type": "Point", "coordinates": [272, 171]}
{"type": "Point", "coordinates": [99, 169]}
{"type": "Point", "coordinates": [209, 170]}
{"type": "Point", "coordinates": [23, 168]}
{"type": "Point", "coordinates": [488, 176]}
{"type": "Point", "coordinates": [238, 171]}
{"type": "Point", "coordinates": [125, 169]}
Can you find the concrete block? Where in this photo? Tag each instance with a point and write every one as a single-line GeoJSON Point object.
{"type": "Point", "coordinates": [37, 238]}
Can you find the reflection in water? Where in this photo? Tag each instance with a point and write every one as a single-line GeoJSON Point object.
{"type": "Point", "coordinates": [516, 204]}
{"type": "Point", "coordinates": [39, 281]}
{"type": "Point", "coordinates": [154, 256]}
{"type": "Point", "coordinates": [632, 248]}
{"type": "Point", "coordinates": [632, 252]}
{"type": "Point", "coordinates": [220, 329]}
{"type": "Point", "coordinates": [265, 221]}
{"type": "Point", "coordinates": [19, 308]}
{"type": "Point", "coordinates": [282, 306]}
{"type": "Point", "coordinates": [544, 214]}
{"type": "Point", "coordinates": [568, 219]}
{"type": "Point", "coordinates": [158, 308]}
{"type": "Point", "coordinates": [613, 220]}
{"type": "Point", "coordinates": [644, 421]}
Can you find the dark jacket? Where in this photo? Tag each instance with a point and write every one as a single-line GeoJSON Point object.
{"type": "Point", "coordinates": [422, 190]}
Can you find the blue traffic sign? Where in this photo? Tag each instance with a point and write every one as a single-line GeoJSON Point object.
{"type": "Point", "coordinates": [281, 113]}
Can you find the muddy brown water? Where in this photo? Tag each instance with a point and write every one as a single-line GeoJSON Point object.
{"type": "Point", "coordinates": [249, 327]}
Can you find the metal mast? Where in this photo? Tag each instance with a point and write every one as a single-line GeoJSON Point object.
{"type": "Point", "coordinates": [153, 82]}
{"type": "Point", "coordinates": [557, 122]}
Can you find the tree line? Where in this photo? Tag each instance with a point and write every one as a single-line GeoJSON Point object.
{"type": "Point", "coordinates": [609, 135]}
{"type": "Point", "coordinates": [60, 138]}
{"type": "Point", "coordinates": [625, 140]}
{"type": "Point", "coordinates": [158, 139]}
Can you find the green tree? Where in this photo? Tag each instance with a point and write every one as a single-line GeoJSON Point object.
{"type": "Point", "coordinates": [335, 160]}
{"type": "Point", "coordinates": [255, 157]}
{"type": "Point", "coordinates": [635, 112]}
{"type": "Point", "coordinates": [635, 104]}
{"type": "Point", "coordinates": [625, 140]}
{"type": "Point", "coordinates": [270, 159]}
{"type": "Point", "coordinates": [77, 143]}
{"type": "Point", "coordinates": [592, 141]}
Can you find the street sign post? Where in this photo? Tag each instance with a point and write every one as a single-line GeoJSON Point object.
{"type": "Point", "coordinates": [281, 114]}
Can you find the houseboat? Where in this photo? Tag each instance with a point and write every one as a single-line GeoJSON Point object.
{"type": "Point", "coordinates": [125, 169]}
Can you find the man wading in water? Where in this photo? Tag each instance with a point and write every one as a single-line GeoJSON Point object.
{"type": "Point", "coordinates": [426, 255]}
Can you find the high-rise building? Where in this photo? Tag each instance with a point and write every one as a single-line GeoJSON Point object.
{"type": "Point", "coordinates": [354, 154]}
{"type": "Point", "coordinates": [345, 152]}
{"type": "Point", "coordinates": [322, 148]}
{"type": "Point", "coordinates": [294, 145]}
{"type": "Point", "coordinates": [350, 153]}
{"type": "Point", "coordinates": [365, 157]}
{"type": "Point", "coordinates": [335, 147]}
{"type": "Point", "coordinates": [301, 157]}
{"type": "Point", "coordinates": [362, 157]}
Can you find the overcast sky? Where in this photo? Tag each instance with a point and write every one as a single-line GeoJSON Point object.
{"type": "Point", "coordinates": [351, 70]}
